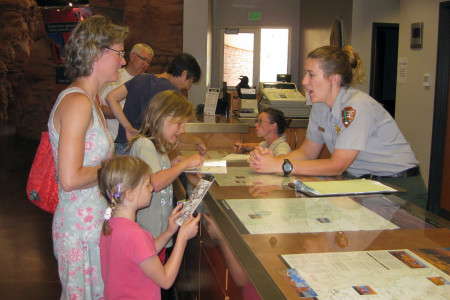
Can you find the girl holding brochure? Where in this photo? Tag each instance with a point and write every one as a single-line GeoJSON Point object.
{"type": "Point", "coordinates": [130, 266]}
{"type": "Point", "coordinates": [362, 137]}
{"type": "Point", "coordinates": [164, 120]}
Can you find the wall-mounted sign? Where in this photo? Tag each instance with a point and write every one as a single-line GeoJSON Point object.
{"type": "Point", "coordinates": [416, 35]}
{"type": "Point", "coordinates": [254, 16]}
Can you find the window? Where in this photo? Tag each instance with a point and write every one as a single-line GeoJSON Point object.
{"type": "Point", "coordinates": [274, 53]}
{"type": "Point", "coordinates": [258, 53]}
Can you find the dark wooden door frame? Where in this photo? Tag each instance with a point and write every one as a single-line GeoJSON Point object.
{"type": "Point", "coordinates": [440, 111]}
{"type": "Point", "coordinates": [373, 62]}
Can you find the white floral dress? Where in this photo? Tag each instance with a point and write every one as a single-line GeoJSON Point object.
{"type": "Point", "coordinates": [78, 217]}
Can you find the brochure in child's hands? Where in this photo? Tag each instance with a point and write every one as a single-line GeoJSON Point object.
{"type": "Point", "coordinates": [195, 198]}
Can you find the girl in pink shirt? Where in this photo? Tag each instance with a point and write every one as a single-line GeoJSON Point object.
{"type": "Point", "coordinates": [130, 264]}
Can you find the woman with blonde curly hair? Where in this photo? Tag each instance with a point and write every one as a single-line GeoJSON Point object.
{"type": "Point", "coordinates": [80, 141]}
{"type": "Point", "coordinates": [362, 137]}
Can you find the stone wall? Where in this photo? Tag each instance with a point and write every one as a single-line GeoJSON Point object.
{"type": "Point", "coordinates": [153, 22]}
{"type": "Point", "coordinates": [27, 74]}
{"type": "Point", "coordinates": [20, 25]}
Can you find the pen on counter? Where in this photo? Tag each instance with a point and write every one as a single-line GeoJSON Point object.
{"type": "Point", "coordinates": [239, 148]}
{"type": "Point", "coordinates": [240, 143]}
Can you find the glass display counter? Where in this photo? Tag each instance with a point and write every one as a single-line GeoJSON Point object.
{"type": "Point", "coordinates": [263, 241]}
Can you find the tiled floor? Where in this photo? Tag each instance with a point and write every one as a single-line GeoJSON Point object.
{"type": "Point", "coordinates": [28, 269]}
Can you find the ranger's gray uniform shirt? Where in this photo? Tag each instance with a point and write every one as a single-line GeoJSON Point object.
{"type": "Point", "coordinates": [383, 149]}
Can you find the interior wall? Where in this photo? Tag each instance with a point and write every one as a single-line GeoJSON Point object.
{"type": "Point", "coordinates": [197, 41]}
{"type": "Point", "coordinates": [316, 20]}
{"type": "Point", "coordinates": [311, 22]}
{"type": "Point", "coordinates": [365, 13]}
{"type": "Point", "coordinates": [281, 13]}
{"type": "Point", "coordinates": [415, 103]}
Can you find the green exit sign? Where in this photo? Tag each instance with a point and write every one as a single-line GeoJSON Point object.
{"type": "Point", "coordinates": [254, 16]}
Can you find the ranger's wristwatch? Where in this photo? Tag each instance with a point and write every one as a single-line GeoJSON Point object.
{"type": "Point", "coordinates": [287, 167]}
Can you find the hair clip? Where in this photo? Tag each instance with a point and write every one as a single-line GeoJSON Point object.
{"type": "Point", "coordinates": [107, 214]}
{"type": "Point", "coordinates": [117, 194]}
{"type": "Point", "coordinates": [108, 194]}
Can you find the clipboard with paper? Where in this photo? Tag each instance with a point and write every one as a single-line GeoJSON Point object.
{"type": "Point", "coordinates": [344, 187]}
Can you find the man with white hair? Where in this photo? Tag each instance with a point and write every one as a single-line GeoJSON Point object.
{"type": "Point", "coordinates": [140, 57]}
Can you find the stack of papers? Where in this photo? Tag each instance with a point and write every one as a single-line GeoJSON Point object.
{"type": "Point", "coordinates": [237, 157]}
{"type": "Point", "coordinates": [210, 166]}
{"type": "Point", "coordinates": [342, 187]}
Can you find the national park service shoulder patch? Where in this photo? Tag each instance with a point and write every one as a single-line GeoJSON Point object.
{"type": "Point", "coordinates": [348, 115]}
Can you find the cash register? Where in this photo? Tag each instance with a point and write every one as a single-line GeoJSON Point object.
{"type": "Point", "coordinates": [285, 97]}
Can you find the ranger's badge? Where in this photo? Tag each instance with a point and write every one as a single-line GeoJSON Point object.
{"type": "Point", "coordinates": [348, 115]}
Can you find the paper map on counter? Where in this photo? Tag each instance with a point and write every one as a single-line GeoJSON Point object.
{"type": "Point", "coordinates": [245, 176]}
{"type": "Point", "coordinates": [210, 166]}
{"type": "Point", "coordinates": [292, 215]}
{"type": "Point", "coordinates": [382, 274]}
{"type": "Point", "coordinates": [195, 198]}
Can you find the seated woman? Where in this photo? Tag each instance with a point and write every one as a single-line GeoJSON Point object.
{"type": "Point", "coordinates": [271, 125]}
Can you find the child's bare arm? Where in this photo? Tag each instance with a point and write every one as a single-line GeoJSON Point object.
{"type": "Point", "coordinates": [163, 238]}
{"type": "Point", "coordinates": [164, 276]}
{"type": "Point", "coordinates": [163, 178]}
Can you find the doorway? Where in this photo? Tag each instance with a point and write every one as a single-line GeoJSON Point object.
{"type": "Point", "coordinates": [438, 185]}
{"type": "Point", "coordinates": [383, 74]}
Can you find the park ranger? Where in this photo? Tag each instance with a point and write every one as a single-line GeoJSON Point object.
{"type": "Point", "coordinates": [362, 137]}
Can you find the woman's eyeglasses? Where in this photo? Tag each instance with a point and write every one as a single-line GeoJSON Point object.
{"type": "Point", "coordinates": [121, 53]}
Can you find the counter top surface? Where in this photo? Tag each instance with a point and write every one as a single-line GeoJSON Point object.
{"type": "Point", "coordinates": [238, 210]}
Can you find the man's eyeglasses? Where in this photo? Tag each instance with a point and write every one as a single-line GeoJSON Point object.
{"type": "Point", "coordinates": [143, 58]}
{"type": "Point", "coordinates": [260, 122]}
{"type": "Point", "coordinates": [121, 53]}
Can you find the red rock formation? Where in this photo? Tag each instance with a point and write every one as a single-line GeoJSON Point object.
{"type": "Point", "coordinates": [27, 74]}
{"type": "Point", "coordinates": [19, 26]}
{"type": "Point", "coordinates": [153, 22]}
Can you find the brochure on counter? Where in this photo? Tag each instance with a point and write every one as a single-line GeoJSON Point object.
{"type": "Point", "coordinates": [210, 166]}
{"type": "Point", "coordinates": [211, 101]}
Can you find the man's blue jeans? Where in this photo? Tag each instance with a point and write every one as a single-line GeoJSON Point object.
{"type": "Point", "coordinates": [120, 149]}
